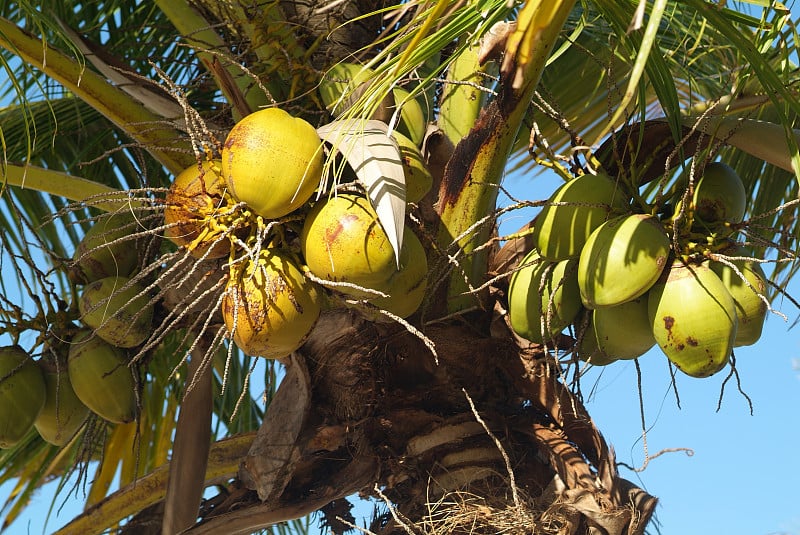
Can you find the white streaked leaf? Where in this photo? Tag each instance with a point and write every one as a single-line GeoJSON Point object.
{"type": "Point", "coordinates": [375, 158]}
{"type": "Point", "coordinates": [130, 83]}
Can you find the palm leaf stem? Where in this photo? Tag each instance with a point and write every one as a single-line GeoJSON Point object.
{"type": "Point", "coordinates": [223, 463]}
{"type": "Point", "coordinates": [469, 189]}
{"type": "Point", "coordinates": [56, 183]}
{"type": "Point", "coordinates": [160, 139]}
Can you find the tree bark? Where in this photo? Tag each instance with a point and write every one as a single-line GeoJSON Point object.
{"type": "Point", "coordinates": [382, 414]}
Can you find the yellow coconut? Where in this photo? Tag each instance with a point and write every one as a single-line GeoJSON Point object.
{"type": "Point", "coordinates": [269, 307]}
{"type": "Point", "coordinates": [119, 311]}
{"type": "Point", "coordinates": [693, 317]}
{"type": "Point", "coordinates": [101, 378]}
{"type": "Point", "coordinates": [573, 212]}
{"type": "Point", "coordinates": [272, 162]}
{"type": "Point", "coordinates": [406, 287]}
{"type": "Point", "coordinates": [22, 394]}
{"type": "Point", "coordinates": [343, 241]}
{"type": "Point", "coordinates": [195, 196]}
{"type": "Point", "coordinates": [621, 260]}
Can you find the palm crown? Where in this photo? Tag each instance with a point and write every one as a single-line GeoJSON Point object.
{"type": "Point", "coordinates": [108, 103]}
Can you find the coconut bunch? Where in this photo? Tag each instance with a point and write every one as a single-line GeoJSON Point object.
{"type": "Point", "coordinates": [625, 280]}
{"type": "Point", "coordinates": [87, 367]}
{"type": "Point", "coordinates": [85, 364]}
{"type": "Point", "coordinates": [56, 393]}
{"type": "Point", "coordinates": [291, 244]}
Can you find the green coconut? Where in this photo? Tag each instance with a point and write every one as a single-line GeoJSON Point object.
{"type": "Point", "coordinates": [63, 413]}
{"type": "Point", "coordinates": [589, 350]}
{"type": "Point", "coordinates": [719, 195]}
{"type": "Point", "coordinates": [119, 311]}
{"type": "Point", "coordinates": [543, 297]}
{"type": "Point", "coordinates": [339, 82]}
{"type": "Point", "coordinates": [22, 394]}
{"type": "Point", "coordinates": [418, 178]}
{"type": "Point", "coordinates": [588, 201]}
{"type": "Point", "coordinates": [621, 260]}
{"type": "Point", "coordinates": [411, 122]}
{"type": "Point", "coordinates": [101, 378]}
{"type": "Point", "coordinates": [746, 290]}
{"type": "Point", "coordinates": [104, 250]}
{"type": "Point", "coordinates": [342, 85]}
{"type": "Point", "coordinates": [693, 317]}
{"type": "Point", "coordinates": [624, 331]}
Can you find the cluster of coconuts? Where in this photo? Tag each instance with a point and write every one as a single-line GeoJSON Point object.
{"type": "Point", "coordinates": [232, 208]}
{"type": "Point", "coordinates": [625, 282]}
{"type": "Point", "coordinates": [256, 207]}
{"type": "Point", "coordinates": [116, 315]}
{"type": "Point", "coordinates": [86, 368]}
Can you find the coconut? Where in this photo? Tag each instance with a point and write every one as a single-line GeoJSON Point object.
{"type": "Point", "coordinates": [342, 80]}
{"type": "Point", "coordinates": [693, 317]}
{"type": "Point", "coordinates": [406, 287]}
{"type": "Point", "coordinates": [719, 195]}
{"type": "Point", "coordinates": [272, 162]}
{"type": "Point", "coordinates": [342, 85]}
{"type": "Point", "coordinates": [101, 378]}
{"type": "Point", "coordinates": [120, 315]}
{"type": "Point", "coordinates": [621, 260]}
{"type": "Point", "coordinates": [412, 122]}
{"type": "Point", "coordinates": [588, 349]}
{"type": "Point", "coordinates": [418, 178]}
{"type": "Point", "coordinates": [573, 212]}
{"type": "Point", "coordinates": [746, 290]}
{"type": "Point", "coordinates": [104, 251]}
{"type": "Point", "coordinates": [196, 194]}
{"type": "Point", "coordinates": [270, 307]}
{"type": "Point", "coordinates": [624, 331]}
{"type": "Point", "coordinates": [22, 394]}
{"type": "Point", "coordinates": [543, 297]}
{"type": "Point", "coordinates": [343, 241]}
{"type": "Point", "coordinates": [63, 412]}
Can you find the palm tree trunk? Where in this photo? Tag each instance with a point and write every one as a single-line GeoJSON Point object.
{"type": "Point", "coordinates": [489, 434]}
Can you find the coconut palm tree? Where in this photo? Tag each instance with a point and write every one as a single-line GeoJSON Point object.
{"type": "Point", "coordinates": [445, 414]}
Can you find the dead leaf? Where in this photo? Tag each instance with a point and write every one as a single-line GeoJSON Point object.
{"type": "Point", "coordinates": [269, 465]}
